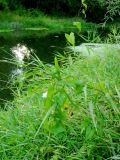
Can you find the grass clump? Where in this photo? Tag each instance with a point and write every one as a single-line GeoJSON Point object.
{"type": "Point", "coordinates": [65, 112]}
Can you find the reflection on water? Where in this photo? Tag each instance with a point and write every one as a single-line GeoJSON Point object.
{"type": "Point", "coordinates": [21, 51]}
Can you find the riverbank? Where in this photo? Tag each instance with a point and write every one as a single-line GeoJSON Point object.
{"type": "Point", "coordinates": [64, 112]}
{"type": "Point", "coordinates": [11, 21]}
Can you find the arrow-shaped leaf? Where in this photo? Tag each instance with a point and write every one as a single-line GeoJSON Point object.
{"type": "Point", "coordinates": [70, 38]}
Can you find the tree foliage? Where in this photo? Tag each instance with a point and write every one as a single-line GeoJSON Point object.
{"type": "Point", "coordinates": [96, 10]}
{"type": "Point", "coordinates": [113, 9]}
{"type": "Point", "coordinates": [103, 10]}
{"type": "Point", "coordinates": [3, 5]}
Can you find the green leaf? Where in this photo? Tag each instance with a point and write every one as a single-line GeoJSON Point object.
{"type": "Point", "coordinates": [83, 1]}
{"type": "Point", "coordinates": [56, 64]}
{"type": "Point", "coordinates": [83, 11]}
{"type": "Point", "coordinates": [58, 128]}
{"type": "Point", "coordinates": [70, 38]}
{"type": "Point", "coordinates": [48, 101]}
{"type": "Point", "coordinates": [78, 25]}
{"type": "Point", "coordinates": [89, 133]}
{"type": "Point", "coordinates": [57, 74]}
{"type": "Point", "coordinates": [91, 108]}
{"type": "Point", "coordinates": [85, 6]}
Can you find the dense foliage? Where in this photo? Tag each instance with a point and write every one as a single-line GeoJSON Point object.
{"type": "Point", "coordinates": [69, 112]}
{"type": "Point", "coordinates": [97, 10]}
{"type": "Point", "coordinates": [103, 9]}
{"type": "Point", "coordinates": [3, 4]}
{"type": "Point", "coordinates": [48, 6]}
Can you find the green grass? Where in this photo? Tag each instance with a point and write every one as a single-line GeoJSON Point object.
{"type": "Point", "coordinates": [79, 118]}
{"type": "Point", "coordinates": [22, 21]}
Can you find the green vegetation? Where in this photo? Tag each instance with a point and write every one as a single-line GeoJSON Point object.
{"type": "Point", "coordinates": [28, 21]}
{"type": "Point", "coordinates": [25, 15]}
{"type": "Point", "coordinates": [64, 112]}
{"type": "Point", "coordinates": [69, 110]}
{"type": "Point", "coordinates": [105, 9]}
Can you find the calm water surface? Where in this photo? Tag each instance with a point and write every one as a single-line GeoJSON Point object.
{"type": "Point", "coordinates": [19, 44]}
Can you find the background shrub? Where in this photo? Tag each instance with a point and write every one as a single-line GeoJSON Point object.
{"type": "Point", "coordinates": [3, 5]}
{"type": "Point", "coordinates": [97, 10]}
{"type": "Point", "coordinates": [102, 10]}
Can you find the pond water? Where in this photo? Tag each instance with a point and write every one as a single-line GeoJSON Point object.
{"type": "Point", "coordinates": [11, 44]}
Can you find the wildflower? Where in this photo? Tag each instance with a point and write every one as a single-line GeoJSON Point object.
{"type": "Point", "coordinates": [44, 95]}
